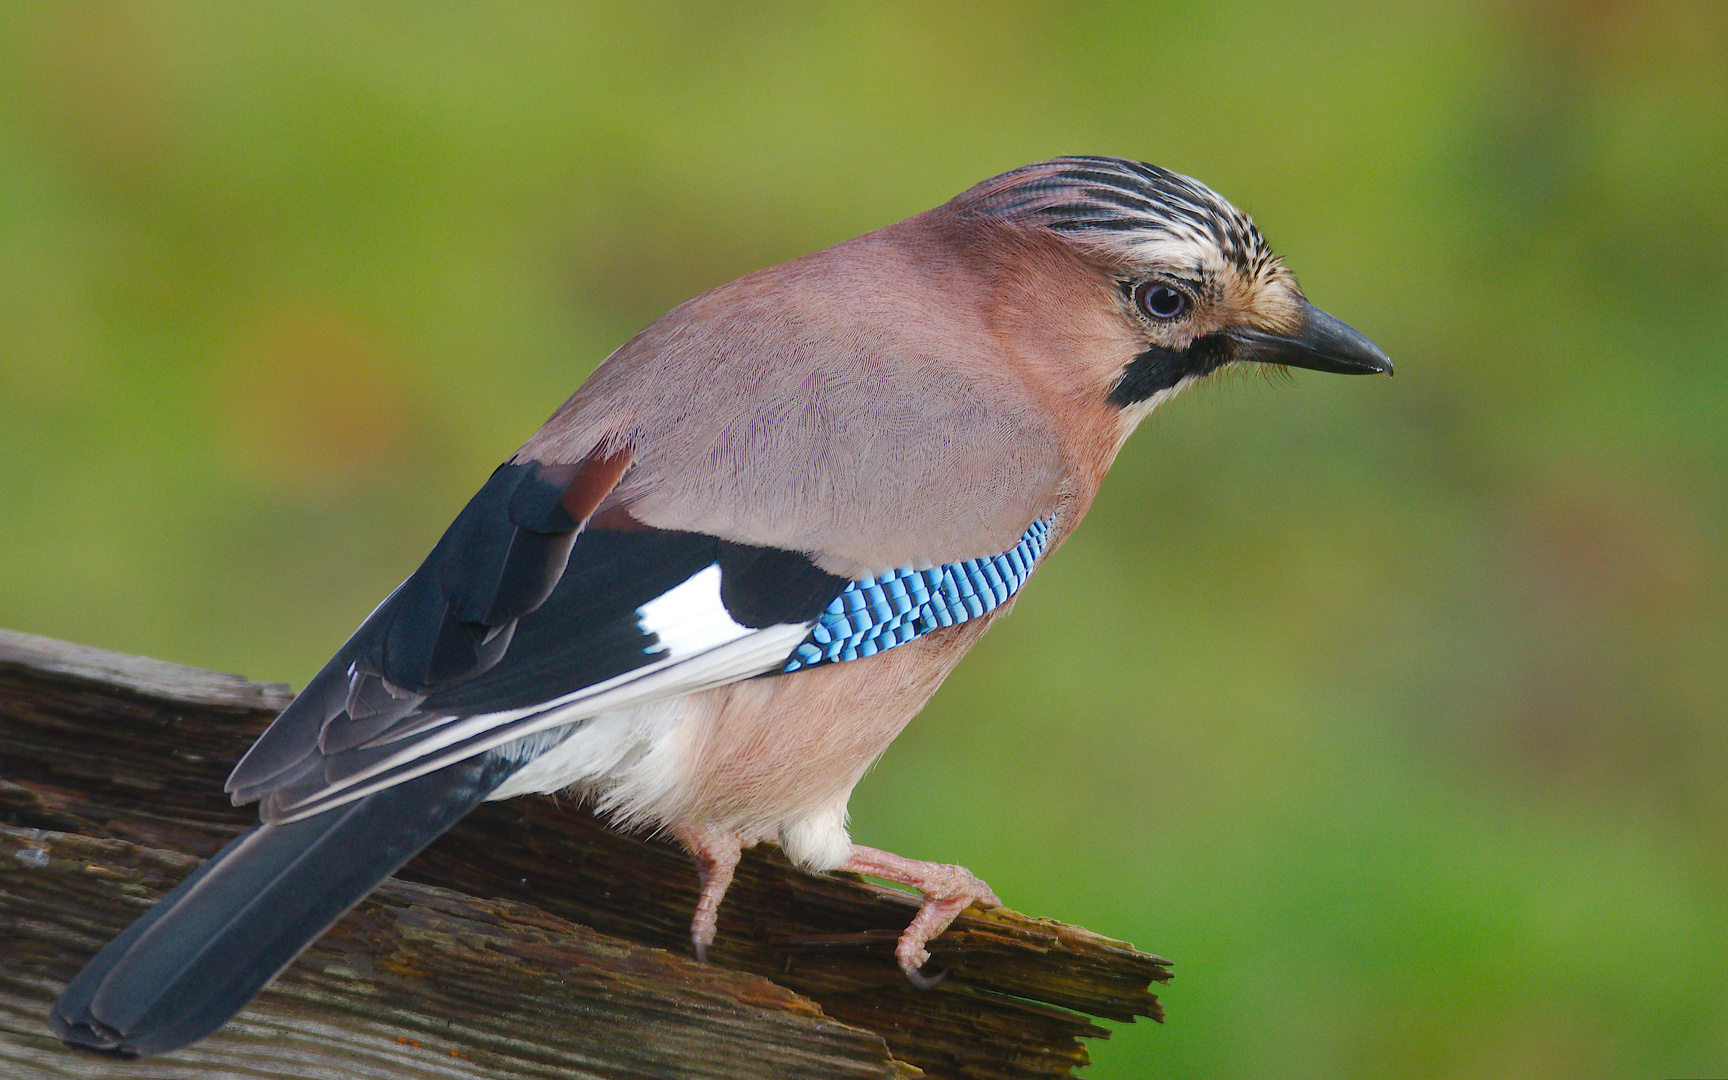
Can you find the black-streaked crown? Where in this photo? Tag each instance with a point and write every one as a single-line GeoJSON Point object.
{"type": "Point", "coordinates": [1127, 203]}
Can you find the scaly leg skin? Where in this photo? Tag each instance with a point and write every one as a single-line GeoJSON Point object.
{"type": "Point", "coordinates": [947, 891]}
{"type": "Point", "coordinates": [716, 852]}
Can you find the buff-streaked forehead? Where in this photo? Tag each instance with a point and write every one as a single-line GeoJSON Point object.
{"type": "Point", "coordinates": [1138, 213]}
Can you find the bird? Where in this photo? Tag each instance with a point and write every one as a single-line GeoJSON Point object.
{"type": "Point", "coordinates": [726, 573]}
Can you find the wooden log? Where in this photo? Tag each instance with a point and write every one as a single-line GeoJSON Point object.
{"type": "Point", "coordinates": [418, 981]}
{"type": "Point", "coordinates": [107, 749]}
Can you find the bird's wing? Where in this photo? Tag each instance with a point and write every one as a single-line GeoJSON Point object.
{"type": "Point", "coordinates": [758, 452]}
{"type": "Point", "coordinates": [521, 620]}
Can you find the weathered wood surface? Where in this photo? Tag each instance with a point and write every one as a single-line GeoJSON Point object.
{"type": "Point", "coordinates": [418, 981]}
{"type": "Point", "coordinates": [123, 770]}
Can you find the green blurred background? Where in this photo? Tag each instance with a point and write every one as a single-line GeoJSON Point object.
{"type": "Point", "coordinates": [1392, 711]}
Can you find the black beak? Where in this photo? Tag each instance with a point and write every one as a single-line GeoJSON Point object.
{"type": "Point", "coordinates": [1323, 344]}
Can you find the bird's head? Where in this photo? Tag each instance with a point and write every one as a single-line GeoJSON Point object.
{"type": "Point", "coordinates": [1196, 286]}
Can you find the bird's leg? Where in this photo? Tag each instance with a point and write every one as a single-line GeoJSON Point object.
{"type": "Point", "coordinates": [716, 852]}
{"type": "Point", "coordinates": [947, 891]}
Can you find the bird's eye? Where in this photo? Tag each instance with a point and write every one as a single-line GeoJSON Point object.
{"type": "Point", "coordinates": [1162, 302]}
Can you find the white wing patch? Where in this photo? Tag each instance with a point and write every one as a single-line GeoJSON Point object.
{"type": "Point", "coordinates": [691, 618]}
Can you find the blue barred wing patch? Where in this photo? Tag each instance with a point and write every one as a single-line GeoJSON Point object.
{"type": "Point", "coordinates": [879, 613]}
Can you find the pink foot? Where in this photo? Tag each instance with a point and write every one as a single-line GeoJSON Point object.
{"type": "Point", "coordinates": [716, 852]}
{"type": "Point", "coordinates": [947, 890]}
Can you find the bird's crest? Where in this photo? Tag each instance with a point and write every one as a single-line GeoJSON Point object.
{"type": "Point", "coordinates": [1127, 204]}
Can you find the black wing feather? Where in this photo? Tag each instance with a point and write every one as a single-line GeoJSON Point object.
{"type": "Point", "coordinates": [498, 561]}
{"type": "Point", "coordinates": [421, 636]}
{"type": "Point", "coordinates": [513, 608]}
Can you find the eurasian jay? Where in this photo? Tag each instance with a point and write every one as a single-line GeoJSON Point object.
{"type": "Point", "coordinates": [726, 573]}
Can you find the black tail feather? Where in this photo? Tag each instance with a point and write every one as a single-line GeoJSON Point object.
{"type": "Point", "coordinates": [197, 957]}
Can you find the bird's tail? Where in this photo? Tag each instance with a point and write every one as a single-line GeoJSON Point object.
{"type": "Point", "coordinates": [197, 957]}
